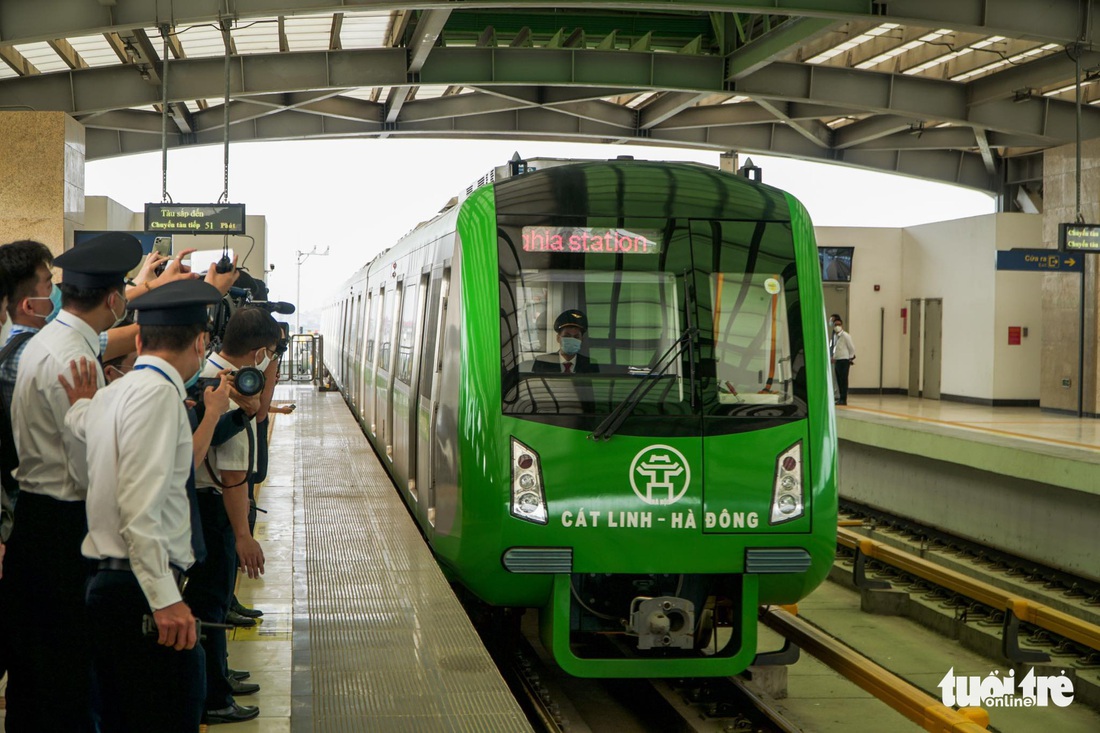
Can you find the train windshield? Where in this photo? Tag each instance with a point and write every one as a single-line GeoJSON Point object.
{"type": "Point", "coordinates": [661, 322]}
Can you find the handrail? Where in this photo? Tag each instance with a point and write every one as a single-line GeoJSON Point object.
{"type": "Point", "coordinates": [913, 703]}
{"type": "Point", "coordinates": [1038, 614]}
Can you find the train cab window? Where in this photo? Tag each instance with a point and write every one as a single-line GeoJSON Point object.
{"type": "Point", "coordinates": [686, 320]}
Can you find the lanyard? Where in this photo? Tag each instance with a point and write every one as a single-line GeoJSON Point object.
{"type": "Point", "coordinates": [156, 369]}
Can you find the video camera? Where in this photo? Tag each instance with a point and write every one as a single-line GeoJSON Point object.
{"type": "Point", "coordinates": [240, 297]}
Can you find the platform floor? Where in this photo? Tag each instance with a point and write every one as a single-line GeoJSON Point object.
{"type": "Point", "coordinates": [360, 631]}
{"type": "Point", "coordinates": [1027, 423]}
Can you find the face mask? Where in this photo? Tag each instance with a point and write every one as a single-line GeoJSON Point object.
{"type": "Point", "coordinates": [55, 299]}
{"type": "Point", "coordinates": [264, 362]}
{"type": "Point", "coordinates": [838, 329]}
{"type": "Point", "coordinates": [570, 345]}
{"type": "Point", "coordinates": [119, 318]}
{"type": "Point", "coordinates": [195, 377]}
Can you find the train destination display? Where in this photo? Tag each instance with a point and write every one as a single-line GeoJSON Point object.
{"type": "Point", "coordinates": [1079, 237]}
{"type": "Point", "coordinates": [195, 218]}
{"type": "Point", "coordinates": [591, 239]}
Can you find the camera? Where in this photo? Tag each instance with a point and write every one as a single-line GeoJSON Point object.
{"type": "Point", "coordinates": [224, 265]}
{"type": "Point", "coordinates": [248, 381]}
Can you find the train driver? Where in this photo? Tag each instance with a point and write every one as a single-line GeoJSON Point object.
{"type": "Point", "coordinates": [572, 328]}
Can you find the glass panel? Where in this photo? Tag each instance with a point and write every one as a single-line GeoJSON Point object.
{"type": "Point", "coordinates": [407, 335]}
{"type": "Point", "coordinates": [387, 333]}
{"type": "Point", "coordinates": [751, 348]}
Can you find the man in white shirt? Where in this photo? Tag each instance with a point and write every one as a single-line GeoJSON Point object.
{"type": "Point", "coordinates": [139, 453]}
{"type": "Point", "coordinates": [46, 573]}
{"type": "Point", "coordinates": [844, 353]}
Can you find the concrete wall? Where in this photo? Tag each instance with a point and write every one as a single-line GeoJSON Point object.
{"type": "Point", "coordinates": [956, 261]}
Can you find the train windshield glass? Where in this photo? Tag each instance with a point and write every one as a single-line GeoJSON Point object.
{"type": "Point", "coordinates": [701, 324]}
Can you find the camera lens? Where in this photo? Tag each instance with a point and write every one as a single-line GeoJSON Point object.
{"type": "Point", "coordinates": [250, 381]}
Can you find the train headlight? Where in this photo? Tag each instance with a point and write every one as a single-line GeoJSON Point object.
{"type": "Point", "coordinates": [528, 501]}
{"type": "Point", "coordinates": [787, 503]}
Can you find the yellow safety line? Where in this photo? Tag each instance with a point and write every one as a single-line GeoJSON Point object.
{"type": "Point", "coordinates": [1034, 613]}
{"type": "Point", "coordinates": [966, 426]}
{"type": "Point", "coordinates": [913, 703]}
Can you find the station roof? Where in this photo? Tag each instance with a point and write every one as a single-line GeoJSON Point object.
{"type": "Point", "coordinates": [961, 91]}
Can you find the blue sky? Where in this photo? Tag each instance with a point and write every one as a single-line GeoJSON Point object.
{"type": "Point", "coordinates": [358, 197]}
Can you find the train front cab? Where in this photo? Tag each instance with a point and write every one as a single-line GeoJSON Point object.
{"type": "Point", "coordinates": [657, 501]}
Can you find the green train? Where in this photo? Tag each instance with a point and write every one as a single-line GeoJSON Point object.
{"type": "Point", "coordinates": [602, 390]}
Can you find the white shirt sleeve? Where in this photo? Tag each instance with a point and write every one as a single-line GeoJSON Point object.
{"type": "Point", "coordinates": [143, 486]}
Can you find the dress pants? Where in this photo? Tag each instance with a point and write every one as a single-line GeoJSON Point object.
{"type": "Point", "coordinates": [209, 589]}
{"type": "Point", "coordinates": [842, 368]}
{"type": "Point", "coordinates": [48, 657]}
{"type": "Point", "coordinates": [139, 686]}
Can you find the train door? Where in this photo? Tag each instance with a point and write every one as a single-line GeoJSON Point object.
{"type": "Point", "coordinates": [413, 411]}
{"type": "Point", "coordinates": [914, 347]}
{"type": "Point", "coordinates": [361, 360]}
{"type": "Point", "coordinates": [933, 334]}
{"type": "Point", "coordinates": [403, 395]}
{"type": "Point", "coordinates": [355, 342]}
{"type": "Point", "coordinates": [431, 366]}
{"type": "Point", "coordinates": [384, 421]}
{"type": "Point", "coordinates": [368, 362]}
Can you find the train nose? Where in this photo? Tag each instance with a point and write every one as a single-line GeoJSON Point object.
{"type": "Point", "coordinates": [663, 622]}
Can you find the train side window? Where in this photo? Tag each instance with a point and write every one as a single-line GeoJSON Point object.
{"type": "Point", "coordinates": [372, 326]}
{"type": "Point", "coordinates": [431, 321]}
{"type": "Point", "coordinates": [386, 337]}
{"type": "Point", "coordinates": [407, 334]}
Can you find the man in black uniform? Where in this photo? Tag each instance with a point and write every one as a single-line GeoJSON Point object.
{"type": "Point", "coordinates": [571, 327]}
{"type": "Point", "coordinates": [140, 453]}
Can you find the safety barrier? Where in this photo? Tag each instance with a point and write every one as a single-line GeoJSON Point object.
{"type": "Point", "coordinates": [918, 706]}
{"type": "Point", "coordinates": [1016, 609]}
{"type": "Point", "coordinates": [303, 360]}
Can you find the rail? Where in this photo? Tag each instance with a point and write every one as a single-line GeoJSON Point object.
{"type": "Point", "coordinates": [1015, 608]}
{"type": "Point", "coordinates": [913, 703]}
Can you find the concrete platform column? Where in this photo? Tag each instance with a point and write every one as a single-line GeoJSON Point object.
{"type": "Point", "coordinates": [42, 179]}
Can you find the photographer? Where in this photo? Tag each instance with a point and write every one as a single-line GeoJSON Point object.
{"type": "Point", "coordinates": [250, 340]}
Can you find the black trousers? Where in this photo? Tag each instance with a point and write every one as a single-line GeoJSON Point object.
{"type": "Point", "coordinates": [209, 589]}
{"type": "Point", "coordinates": [48, 656]}
{"type": "Point", "coordinates": [140, 686]}
{"type": "Point", "coordinates": [842, 366]}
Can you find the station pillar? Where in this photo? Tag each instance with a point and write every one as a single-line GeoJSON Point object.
{"type": "Point", "coordinates": [42, 179]}
{"type": "Point", "coordinates": [1062, 292]}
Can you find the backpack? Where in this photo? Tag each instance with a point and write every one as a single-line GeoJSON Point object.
{"type": "Point", "coordinates": [9, 458]}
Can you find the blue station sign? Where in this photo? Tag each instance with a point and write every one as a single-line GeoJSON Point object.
{"type": "Point", "coordinates": [1040, 260]}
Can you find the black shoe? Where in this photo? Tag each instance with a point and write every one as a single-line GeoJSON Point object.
{"type": "Point", "coordinates": [245, 610]}
{"type": "Point", "coordinates": [233, 714]}
{"type": "Point", "coordinates": [239, 674]}
{"type": "Point", "coordinates": [243, 688]}
{"type": "Point", "coordinates": [237, 619]}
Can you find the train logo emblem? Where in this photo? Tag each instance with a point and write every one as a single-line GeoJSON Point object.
{"type": "Point", "coordinates": [660, 475]}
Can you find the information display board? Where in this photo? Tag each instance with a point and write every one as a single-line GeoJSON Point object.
{"type": "Point", "coordinates": [194, 218]}
{"type": "Point", "coordinates": [1079, 237]}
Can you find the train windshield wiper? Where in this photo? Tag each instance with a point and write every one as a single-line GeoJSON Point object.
{"type": "Point", "coordinates": [614, 420]}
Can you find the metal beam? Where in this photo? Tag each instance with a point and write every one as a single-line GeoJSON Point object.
{"type": "Point", "coordinates": [665, 106]}
{"type": "Point", "coordinates": [813, 130]}
{"type": "Point", "coordinates": [68, 54]}
{"type": "Point", "coordinates": [1059, 22]}
{"type": "Point", "coordinates": [424, 35]}
{"type": "Point", "coordinates": [1044, 72]}
{"type": "Point", "coordinates": [767, 48]}
{"type": "Point", "coordinates": [870, 129]}
{"type": "Point", "coordinates": [17, 61]}
{"type": "Point", "coordinates": [988, 156]}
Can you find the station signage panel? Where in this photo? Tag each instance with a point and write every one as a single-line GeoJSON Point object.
{"type": "Point", "coordinates": [1079, 237]}
{"type": "Point", "coordinates": [194, 218]}
{"type": "Point", "coordinates": [1040, 260]}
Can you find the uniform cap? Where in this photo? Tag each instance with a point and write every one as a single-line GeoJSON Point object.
{"type": "Point", "coordinates": [178, 303]}
{"type": "Point", "coordinates": [571, 318]}
{"type": "Point", "coordinates": [101, 262]}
